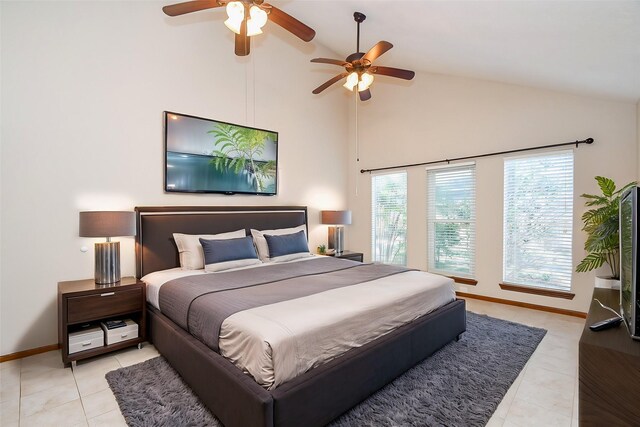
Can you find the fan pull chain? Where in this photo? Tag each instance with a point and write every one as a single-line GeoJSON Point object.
{"type": "Point", "coordinates": [357, 138]}
{"type": "Point", "coordinates": [357, 135]}
{"type": "Point", "coordinates": [250, 92]}
{"type": "Point", "coordinates": [246, 94]}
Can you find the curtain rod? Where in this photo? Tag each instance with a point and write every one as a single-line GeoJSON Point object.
{"type": "Point", "coordinates": [498, 153]}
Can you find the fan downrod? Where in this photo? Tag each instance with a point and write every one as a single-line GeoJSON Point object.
{"type": "Point", "coordinates": [359, 17]}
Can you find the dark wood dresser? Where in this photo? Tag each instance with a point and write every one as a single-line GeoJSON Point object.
{"type": "Point", "coordinates": [609, 369]}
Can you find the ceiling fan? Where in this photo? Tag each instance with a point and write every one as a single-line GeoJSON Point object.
{"type": "Point", "coordinates": [359, 68]}
{"type": "Point", "coordinates": [246, 18]}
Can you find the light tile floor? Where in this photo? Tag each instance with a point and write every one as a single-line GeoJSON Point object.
{"type": "Point", "coordinates": [39, 391]}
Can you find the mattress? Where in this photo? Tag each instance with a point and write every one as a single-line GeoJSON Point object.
{"type": "Point", "coordinates": [276, 342]}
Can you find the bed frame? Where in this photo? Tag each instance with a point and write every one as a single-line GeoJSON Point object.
{"type": "Point", "coordinates": [311, 399]}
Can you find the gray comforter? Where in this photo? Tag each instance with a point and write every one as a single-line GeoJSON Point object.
{"type": "Point", "coordinates": [200, 303]}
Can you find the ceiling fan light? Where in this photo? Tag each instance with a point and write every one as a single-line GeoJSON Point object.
{"type": "Point", "coordinates": [253, 29]}
{"type": "Point", "coordinates": [235, 11]}
{"type": "Point", "coordinates": [365, 81]}
{"type": "Point", "coordinates": [258, 16]}
{"type": "Point", "coordinates": [233, 25]}
{"type": "Point", "coordinates": [352, 81]}
{"type": "Point", "coordinates": [256, 22]}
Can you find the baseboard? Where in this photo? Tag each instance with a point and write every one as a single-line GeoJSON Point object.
{"type": "Point", "coordinates": [524, 304]}
{"type": "Point", "coordinates": [29, 352]}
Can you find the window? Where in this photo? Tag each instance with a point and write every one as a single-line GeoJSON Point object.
{"type": "Point", "coordinates": [451, 219]}
{"type": "Point", "coordinates": [538, 220]}
{"type": "Point", "coordinates": [389, 218]}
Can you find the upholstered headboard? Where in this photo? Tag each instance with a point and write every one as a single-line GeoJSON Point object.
{"type": "Point", "coordinates": [156, 249]}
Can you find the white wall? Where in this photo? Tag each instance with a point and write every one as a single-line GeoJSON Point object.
{"type": "Point", "coordinates": [437, 117]}
{"type": "Point", "coordinates": [84, 85]}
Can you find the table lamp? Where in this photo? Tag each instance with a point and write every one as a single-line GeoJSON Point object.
{"type": "Point", "coordinates": [107, 224]}
{"type": "Point", "coordinates": [336, 232]}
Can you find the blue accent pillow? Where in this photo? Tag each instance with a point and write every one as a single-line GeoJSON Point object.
{"type": "Point", "coordinates": [217, 251]}
{"type": "Point", "coordinates": [286, 244]}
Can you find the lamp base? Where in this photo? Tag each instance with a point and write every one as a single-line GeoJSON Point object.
{"type": "Point", "coordinates": [107, 263]}
{"type": "Point", "coordinates": [336, 238]}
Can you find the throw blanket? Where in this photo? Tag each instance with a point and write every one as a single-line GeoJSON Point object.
{"type": "Point", "coordinates": [199, 304]}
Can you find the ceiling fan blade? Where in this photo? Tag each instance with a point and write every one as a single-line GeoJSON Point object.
{"type": "Point", "coordinates": [377, 50]}
{"type": "Point", "coordinates": [329, 83]}
{"type": "Point", "coordinates": [290, 23]}
{"type": "Point", "coordinates": [331, 61]}
{"type": "Point", "coordinates": [191, 6]}
{"type": "Point", "coordinates": [365, 95]}
{"type": "Point", "coordinates": [392, 72]}
{"type": "Point", "coordinates": [243, 44]}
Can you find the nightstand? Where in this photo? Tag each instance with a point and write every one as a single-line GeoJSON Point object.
{"type": "Point", "coordinates": [83, 301]}
{"type": "Point", "coordinates": [354, 256]}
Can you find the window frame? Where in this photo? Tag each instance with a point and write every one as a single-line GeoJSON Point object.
{"type": "Point", "coordinates": [374, 199]}
{"type": "Point", "coordinates": [466, 278]}
{"type": "Point", "coordinates": [554, 290]}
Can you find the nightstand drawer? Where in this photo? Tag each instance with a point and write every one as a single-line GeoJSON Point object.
{"type": "Point", "coordinates": [102, 305]}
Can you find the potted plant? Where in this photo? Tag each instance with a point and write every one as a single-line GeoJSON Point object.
{"type": "Point", "coordinates": [601, 224]}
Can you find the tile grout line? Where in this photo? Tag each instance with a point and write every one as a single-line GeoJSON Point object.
{"type": "Point", "coordinates": [100, 391]}
{"type": "Point", "coordinates": [75, 381]}
{"type": "Point", "coordinates": [515, 392]}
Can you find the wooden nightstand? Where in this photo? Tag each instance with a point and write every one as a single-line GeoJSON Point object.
{"type": "Point", "coordinates": [354, 256]}
{"type": "Point", "coordinates": [82, 301]}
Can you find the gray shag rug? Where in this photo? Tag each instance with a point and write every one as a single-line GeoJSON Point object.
{"type": "Point", "coordinates": [460, 385]}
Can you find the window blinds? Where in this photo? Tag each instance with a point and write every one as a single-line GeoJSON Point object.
{"type": "Point", "coordinates": [451, 220]}
{"type": "Point", "coordinates": [389, 218]}
{"type": "Point", "coordinates": [538, 220]}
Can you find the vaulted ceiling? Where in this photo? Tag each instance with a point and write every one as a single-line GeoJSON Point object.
{"type": "Point", "coordinates": [585, 47]}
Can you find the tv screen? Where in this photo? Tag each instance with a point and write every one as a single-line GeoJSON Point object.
{"type": "Point", "coordinates": [209, 156]}
{"type": "Point", "coordinates": [628, 254]}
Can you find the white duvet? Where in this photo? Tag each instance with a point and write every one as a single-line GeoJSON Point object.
{"type": "Point", "coordinates": [276, 342]}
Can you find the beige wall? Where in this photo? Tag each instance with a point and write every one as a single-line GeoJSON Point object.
{"type": "Point", "coordinates": [84, 85]}
{"type": "Point", "coordinates": [437, 117]}
{"type": "Point", "coordinates": [638, 136]}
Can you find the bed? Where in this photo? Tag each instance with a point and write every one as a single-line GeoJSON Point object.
{"type": "Point", "coordinates": [313, 397]}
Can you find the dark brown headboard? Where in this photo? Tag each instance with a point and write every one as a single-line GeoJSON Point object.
{"type": "Point", "coordinates": [156, 249]}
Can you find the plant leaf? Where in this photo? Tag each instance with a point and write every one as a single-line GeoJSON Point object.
{"type": "Point", "coordinates": [591, 262]}
{"type": "Point", "coordinates": [606, 185]}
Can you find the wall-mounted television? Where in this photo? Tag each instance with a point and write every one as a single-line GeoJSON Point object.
{"type": "Point", "coordinates": [210, 156]}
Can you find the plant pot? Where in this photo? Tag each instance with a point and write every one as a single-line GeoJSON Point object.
{"type": "Point", "coordinates": [607, 282]}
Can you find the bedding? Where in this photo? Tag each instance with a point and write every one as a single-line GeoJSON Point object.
{"type": "Point", "coordinates": [290, 318]}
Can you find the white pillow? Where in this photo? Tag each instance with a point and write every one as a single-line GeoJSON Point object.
{"type": "Point", "coordinates": [261, 242]}
{"type": "Point", "coordinates": [190, 249]}
{"type": "Point", "coordinates": [228, 265]}
{"type": "Point", "coordinates": [291, 257]}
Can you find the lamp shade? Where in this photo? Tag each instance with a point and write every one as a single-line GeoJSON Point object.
{"type": "Point", "coordinates": [336, 217]}
{"type": "Point", "coordinates": [107, 223]}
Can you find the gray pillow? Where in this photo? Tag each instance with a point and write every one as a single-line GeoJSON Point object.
{"type": "Point", "coordinates": [286, 244]}
{"type": "Point", "coordinates": [217, 251]}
